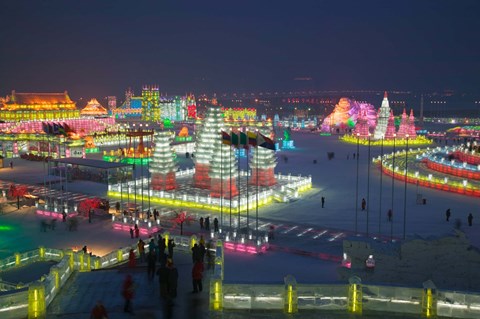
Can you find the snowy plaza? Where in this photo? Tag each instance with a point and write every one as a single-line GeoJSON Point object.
{"type": "Point", "coordinates": [308, 238]}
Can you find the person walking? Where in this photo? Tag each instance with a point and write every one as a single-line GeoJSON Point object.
{"type": "Point", "coordinates": [389, 215]}
{"type": "Point", "coordinates": [448, 214]}
{"type": "Point", "coordinates": [128, 292]}
{"type": "Point", "coordinates": [137, 231]}
{"type": "Point", "coordinates": [197, 276]}
{"type": "Point", "coordinates": [323, 202]}
{"type": "Point", "coordinates": [99, 311]}
{"type": "Point", "coordinates": [470, 219]}
{"type": "Point", "coordinates": [151, 263]}
{"type": "Point", "coordinates": [364, 204]}
{"type": "Point", "coordinates": [11, 164]}
{"type": "Point", "coordinates": [215, 224]}
{"type": "Point", "coordinates": [90, 213]}
{"type": "Point", "coordinates": [201, 222]}
{"type": "Point", "coordinates": [131, 232]}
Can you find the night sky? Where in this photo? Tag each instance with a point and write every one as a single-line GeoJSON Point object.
{"type": "Point", "coordinates": [99, 48]}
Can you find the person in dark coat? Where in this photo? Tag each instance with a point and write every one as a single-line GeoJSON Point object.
{"type": "Point", "coordinates": [197, 276]}
{"type": "Point", "coordinates": [364, 204]}
{"type": "Point", "coordinates": [323, 202]}
{"type": "Point", "coordinates": [172, 279]}
{"type": "Point", "coordinates": [128, 292]}
{"type": "Point", "coordinates": [470, 219]}
{"type": "Point", "coordinates": [215, 224]}
{"type": "Point", "coordinates": [171, 244]}
{"type": "Point", "coordinates": [131, 232]}
{"type": "Point", "coordinates": [389, 215]}
{"type": "Point", "coordinates": [141, 250]}
{"type": "Point", "coordinates": [195, 252]}
{"type": "Point", "coordinates": [162, 274]}
{"type": "Point", "coordinates": [202, 251]}
{"type": "Point", "coordinates": [201, 223]}
{"type": "Point", "coordinates": [207, 223]}
{"type": "Point", "coordinates": [151, 263]}
{"type": "Point", "coordinates": [448, 214]}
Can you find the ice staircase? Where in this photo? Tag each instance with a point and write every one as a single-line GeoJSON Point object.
{"type": "Point", "coordinates": [285, 195]}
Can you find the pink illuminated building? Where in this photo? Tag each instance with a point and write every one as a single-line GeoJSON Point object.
{"type": "Point", "coordinates": [412, 132]}
{"type": "Point", "coordinates": [390, 132]}
{"type": "Point", "coordinates": [361, 128]}
{"type": "Point", "coordinates": [403, 129]}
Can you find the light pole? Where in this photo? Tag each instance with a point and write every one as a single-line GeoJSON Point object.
{"type": "Point", "coordinates": [148, 168]}
{"type": "Point", "coordinates": [405, 191]}
{"type": "Point", "coordinates": [381, 186]}
{"type": "Point", "coordinates": [393, 179]}
{"type": "Point", "coordinates": [142, 156]}
{"type": "Point", "coordinates": [368, 181]}
{"type": "Point", "coordinates": [356, 188]}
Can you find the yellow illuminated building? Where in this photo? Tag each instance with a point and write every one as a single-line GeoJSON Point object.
{"type": "Point", "coordinates": [37, 106]}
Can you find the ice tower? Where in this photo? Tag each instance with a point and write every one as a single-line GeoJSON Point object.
{"type": "Point", "coordinates": [382, 118]}
{"type": "Point", "coordinates": [163, 166]}
{"type": "Point", "coordinates": [223, 170]}
{"type": "Point", "coordinates": [262, 163]}
{"type": "Point", "coordinates": [210, 132]}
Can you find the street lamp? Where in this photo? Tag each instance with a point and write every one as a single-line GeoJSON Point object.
{"type": "Point", "coordinates": [148, 170]}
{"type": "Point", "coordinates": [393, 186]}
{"type": "Point", "coordinates": [405, 191]}
{"type": "Point", "coordinates": [356, 188]}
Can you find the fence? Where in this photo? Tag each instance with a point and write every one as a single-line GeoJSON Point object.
{"type": "Point", "coordinates": [32, 299]}
{"type": "Point", "coordinates": [353, 297]}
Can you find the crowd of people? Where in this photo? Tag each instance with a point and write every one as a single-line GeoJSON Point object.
{"type": "Point", "coordinates": [158, 254]}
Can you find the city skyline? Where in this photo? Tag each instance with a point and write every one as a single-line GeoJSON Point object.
{"type": "Point", "coordinates": [94, 48]}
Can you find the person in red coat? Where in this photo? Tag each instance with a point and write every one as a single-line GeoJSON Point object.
{"type": "Point", "coordinates": [131, 259]}
{"type": "Point", "coordinates": [128, 291]}
{"type": "Point", "coordinates": [197, 276]}
{"type": "Point", "coordinates": [99, 311]}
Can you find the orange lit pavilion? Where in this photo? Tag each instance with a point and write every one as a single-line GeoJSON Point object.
{"type": "Point", "coordinates": [94, 108]}
{"type": "Point", "coordinates": [37, 106]}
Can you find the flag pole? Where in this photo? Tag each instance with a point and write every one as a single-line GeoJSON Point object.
{"type": "Point", "coordinates": [256, 206]}
{"type": "Point", "coordinates": [230, 180]}
{"type": "Point", "coordinates": [238, 181]}
{"type": "Point", "coordinates": [248, 173]}
{"type": "Point", "coordinates": [230, 167]}
{"type": "Point", "coordinates": [221, 185]}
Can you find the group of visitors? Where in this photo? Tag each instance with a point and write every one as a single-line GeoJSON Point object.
{"type": "Point", "coordinates": [205, 224]}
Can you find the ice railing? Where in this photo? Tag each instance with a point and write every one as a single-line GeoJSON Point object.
{"type": "Point", "coordinates": [31, 299]}
{"type": "Point", "coordinates": [135, 188]}
{"type": "Point", "coordinates": [353, 297]}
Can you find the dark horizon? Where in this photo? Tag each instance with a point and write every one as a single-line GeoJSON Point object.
{"type": "Point", "coordinates": [100, 48]}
